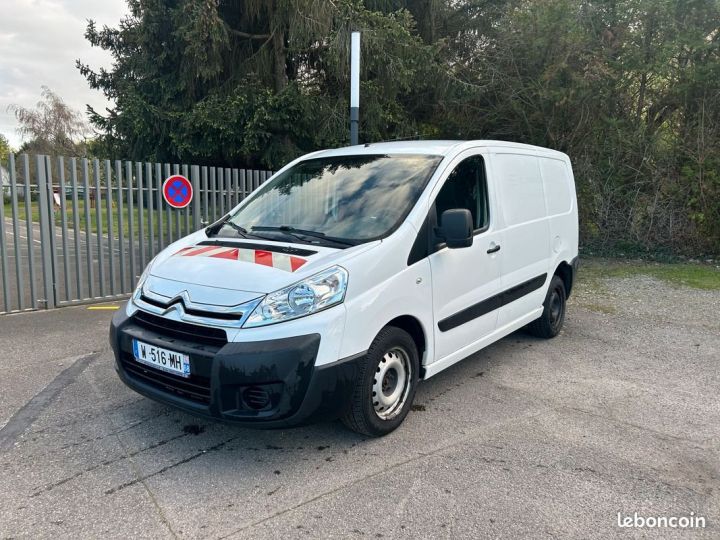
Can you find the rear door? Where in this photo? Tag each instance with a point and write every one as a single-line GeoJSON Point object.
{"type": "Point", "coordinates": [465, 280]}
{"type": "Point", "coordinates": [526, 245]}
{"type": "Point", "coordinates": [560, 203]}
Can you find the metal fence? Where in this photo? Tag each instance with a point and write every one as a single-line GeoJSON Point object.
{"type": "Point", "coordinates": [78, 230]}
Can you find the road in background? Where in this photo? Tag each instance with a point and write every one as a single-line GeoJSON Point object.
{"type": "Point", "coordinates": [94, 225]}
{"type": "Point", "coordinates": [66, 290]}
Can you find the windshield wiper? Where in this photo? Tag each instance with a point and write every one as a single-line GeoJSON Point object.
{"type": "Point", "coordinates": [298, 233]}
{"type": "Point", "coordinates": [240, 230]}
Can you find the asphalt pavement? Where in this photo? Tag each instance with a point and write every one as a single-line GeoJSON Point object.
{"type": "Point", "coordinates": [526, 439]}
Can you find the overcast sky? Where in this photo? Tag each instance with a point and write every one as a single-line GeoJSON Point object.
{"type": "Point", "coordinates": [39, 43]}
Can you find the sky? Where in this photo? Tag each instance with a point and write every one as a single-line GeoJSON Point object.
{"type": "Point", "coordinates": [39, 43]}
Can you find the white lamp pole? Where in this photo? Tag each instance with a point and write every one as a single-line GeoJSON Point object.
{"type": "Point", "coordinates": [354, 87]}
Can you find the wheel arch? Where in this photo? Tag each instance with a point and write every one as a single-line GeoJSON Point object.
{"type": "Point", "coordinates": [414, 327]}
{"type": "Point", "coordinates": [565, 272]}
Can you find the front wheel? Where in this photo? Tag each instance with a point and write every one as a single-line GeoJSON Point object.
{"type": "Point", "coordinates": [551, 321]}
{"type": "Point", "coordinates": [385, 388]}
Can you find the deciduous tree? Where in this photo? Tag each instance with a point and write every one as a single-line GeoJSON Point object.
{"type": "Point", "coordinates": [51, 127]}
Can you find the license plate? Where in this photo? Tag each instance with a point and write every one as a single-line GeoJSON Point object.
{"type": "Point", "coordinates": [162, 359]}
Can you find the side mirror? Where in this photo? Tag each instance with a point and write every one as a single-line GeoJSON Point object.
{"type": "Point", "coordinates": [456, 228]}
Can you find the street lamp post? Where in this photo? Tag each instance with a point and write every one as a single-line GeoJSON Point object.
{"type": "Point", "coordinates": [354, 87]}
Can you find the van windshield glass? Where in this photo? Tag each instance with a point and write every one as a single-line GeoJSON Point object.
{"type": "Point", "coordinates": [342, 199]}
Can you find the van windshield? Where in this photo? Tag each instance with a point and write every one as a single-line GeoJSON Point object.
{"type": "Point", "coordinates": [342, 200]}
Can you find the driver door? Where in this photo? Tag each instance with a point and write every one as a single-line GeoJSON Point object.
{"type": "Point", "coordinates": [466, 281]}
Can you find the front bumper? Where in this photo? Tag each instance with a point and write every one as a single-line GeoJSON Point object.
{"type": "Point", "coordinates": [273, 383]}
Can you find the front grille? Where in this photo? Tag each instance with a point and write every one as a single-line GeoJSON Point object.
{"type": "Point", "coordinates": [194, 388]}
{"type": "Point", "coordinates": [196, 312]}
{"type": "Point", "coordinates": [180, 330]}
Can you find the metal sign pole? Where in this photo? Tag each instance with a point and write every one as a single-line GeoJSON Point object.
{"type": "Point", "coordinates": [354, 87]}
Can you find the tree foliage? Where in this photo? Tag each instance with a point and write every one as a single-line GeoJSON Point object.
{"type": "Point", "coordinates": [630, 89]}
{"type": "Point", "coordinates": [5, 148]}
{"type": "Point", "coordinates": [254, 82]}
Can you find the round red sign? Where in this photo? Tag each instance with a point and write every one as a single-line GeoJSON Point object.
{"type": "Point", "coordinates": [177, 191]}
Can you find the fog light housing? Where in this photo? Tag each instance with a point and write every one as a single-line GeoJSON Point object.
{"type": "Point", "coordinates": [256, 398]}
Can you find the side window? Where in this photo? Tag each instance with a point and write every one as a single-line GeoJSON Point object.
{"type": "Point", "coordinates": [520, 188]}
{"type": "Point", "coordinates": [556, 184]}
{"type": "Point", "coordinates": [466, 187]}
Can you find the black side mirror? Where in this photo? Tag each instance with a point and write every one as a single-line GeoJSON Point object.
{"type": "Point", "coordinates": [456, 228]}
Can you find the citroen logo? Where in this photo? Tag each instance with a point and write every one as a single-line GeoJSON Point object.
{"type": "Point", "coordinates": [179, 302]}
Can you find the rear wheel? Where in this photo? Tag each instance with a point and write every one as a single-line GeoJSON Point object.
{"type": "Point", "coordinates": [553, 316]}
{"type": "Point", "coordinates": [385, 388]}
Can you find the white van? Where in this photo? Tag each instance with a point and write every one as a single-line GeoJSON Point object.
{"type": "Point", "coordinates": [348, 277]}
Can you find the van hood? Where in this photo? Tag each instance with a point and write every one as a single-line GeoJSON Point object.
{"type": "Point", "coordinates": [257, 267]}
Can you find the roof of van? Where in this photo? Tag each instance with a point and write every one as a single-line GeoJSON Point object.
{"type": "Point", "coordinates": [437, 148]}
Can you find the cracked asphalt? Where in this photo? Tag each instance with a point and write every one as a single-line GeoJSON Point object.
{"type": "Point", "coordinates": [528, 438]}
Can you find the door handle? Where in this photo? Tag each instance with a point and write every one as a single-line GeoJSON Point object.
{"type": "Point", "coordinates": [495, 248]}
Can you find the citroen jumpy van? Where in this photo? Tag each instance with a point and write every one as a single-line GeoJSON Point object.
{"type": "Point", "coordinates": [350, 276]}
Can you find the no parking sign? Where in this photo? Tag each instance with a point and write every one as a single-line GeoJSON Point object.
{"type": "Point", "coordinates": [177, 191]}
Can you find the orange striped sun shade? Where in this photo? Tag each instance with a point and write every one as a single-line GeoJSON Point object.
{"type": "Point", "coordinates": [281, 261]}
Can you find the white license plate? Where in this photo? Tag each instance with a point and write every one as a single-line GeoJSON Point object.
{"type": "Point", "coordinates": [163, 359]}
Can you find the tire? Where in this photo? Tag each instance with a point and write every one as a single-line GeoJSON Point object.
{"type": "Point", "coordinates": [553, 316]}
{"type": "Point", "coordinates": [390, 371]}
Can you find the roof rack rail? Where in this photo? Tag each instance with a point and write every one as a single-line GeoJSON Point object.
{"type": "Point", "coordinates": [416, 137]}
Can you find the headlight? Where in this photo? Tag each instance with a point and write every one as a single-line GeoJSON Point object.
{"type": "Point", "coordinates": [313, 294]}
{"type": "Point", "coordinates": [131, 306]}
{"type": "Point", "coordinates": [143, 278]}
